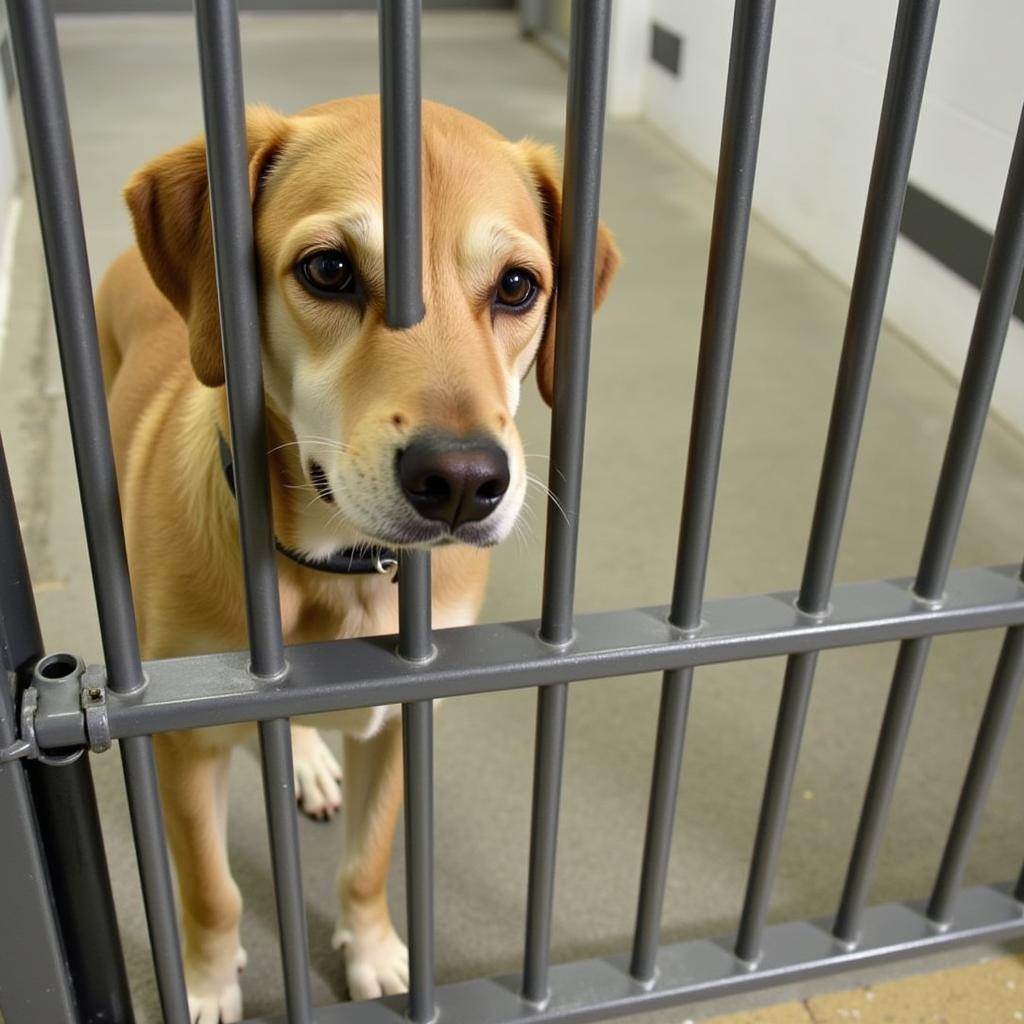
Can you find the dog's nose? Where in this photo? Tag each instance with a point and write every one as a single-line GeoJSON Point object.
{"type": "Point", "coordinates": [453, 481]}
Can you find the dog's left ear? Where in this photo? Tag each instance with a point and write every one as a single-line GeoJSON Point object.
{"type": "Point", "coordinates": [170, 207]}
{"type": "Point", "coordinates": [545, 172]}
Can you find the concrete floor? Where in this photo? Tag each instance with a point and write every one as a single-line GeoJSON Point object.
{"type": "Point", "coordinates": [132, 86]}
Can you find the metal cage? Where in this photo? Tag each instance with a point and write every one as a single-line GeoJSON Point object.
{"type": "Point", "coordinates": [60, 959]}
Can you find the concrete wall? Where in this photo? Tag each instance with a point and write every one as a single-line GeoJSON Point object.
{"type": "Point", "coordinates": [825, 85]}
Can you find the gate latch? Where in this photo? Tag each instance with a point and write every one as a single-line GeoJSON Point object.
{"type": "Point", "coordinates": [73, 703]}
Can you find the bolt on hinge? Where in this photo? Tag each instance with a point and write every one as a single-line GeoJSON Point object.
{"type": "Point", "coordinates": [70, 701]}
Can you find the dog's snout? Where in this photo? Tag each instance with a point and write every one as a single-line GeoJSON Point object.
{"type": "Point", "coordinates": [453, 481]}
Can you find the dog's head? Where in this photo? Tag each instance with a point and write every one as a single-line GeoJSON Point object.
{"type": "Point", "coordinates": [406, 437]}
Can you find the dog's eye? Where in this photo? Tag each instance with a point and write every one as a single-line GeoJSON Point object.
{"type": "Point", "coordinates": [328, 272]}
{"type": "Point", "coordinates": [516, 290]}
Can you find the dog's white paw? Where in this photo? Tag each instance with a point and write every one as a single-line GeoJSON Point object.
{"type": "Point", "coordinates": [213, 999]}
{"type": "Point", "coordinates": [317, 774]}
{"type": "Point", "coordinates": [375, 964]}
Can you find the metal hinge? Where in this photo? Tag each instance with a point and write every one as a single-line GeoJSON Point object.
{"type": "Point", "coordinates": [73, 701]}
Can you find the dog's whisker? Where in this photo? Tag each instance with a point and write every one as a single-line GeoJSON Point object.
{"type": "Point", "coordinates": [549, 494]}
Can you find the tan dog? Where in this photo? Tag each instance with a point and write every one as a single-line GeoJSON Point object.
{"type": "Point", "coordinates": [376, 436]}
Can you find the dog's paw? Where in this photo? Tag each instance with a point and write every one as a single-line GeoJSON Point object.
{"type": "Point", "coordinates": [213, 999]}
{"type": "Point", "coordinates": [375, 964]}
{"type": "Point", "coordinates": [317, 774]}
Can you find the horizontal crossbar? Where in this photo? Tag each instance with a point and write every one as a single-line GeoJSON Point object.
{"type": "Point", "coordinates": [705, 968]}
{"type": "Point", "coordinates": [217, 689]}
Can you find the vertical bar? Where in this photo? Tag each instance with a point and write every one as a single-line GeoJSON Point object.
{"type": "Point", "coordinates": [901, 106]}
{"type": "Point", "coordinates": [228, 173]}
{"type": "Point", "coordinates": [584, 135]}
{"type": "Point", "coordinates": [65, 810]}
{"type": "Point", "coordinates": [69, 826]}
{"type": "Point", "coordinates": [403, 298]}
{"type": "Point", "coordinates": [400, 152]}
{"type": "Point", "coordinates": [995, 724]}
{"type": "Point", "coordinates": [37, 986]}
{"type": "Point", "coordinates": [285, 858]}
{"type": "Point", "coordinates": [741, 128]}
{"type": "Point", "coordinates": [415, 645]}
{"type": "Point", "coordinates": [228, 170]}
{"type": "Point", "coordinates": [995, 307]}
{"type": "Point", "coordinates": [34, 40]}
{"type": "Point", "coordinates": [1018, 892]}
{"type": "Point", "coordinates": [157, 890]}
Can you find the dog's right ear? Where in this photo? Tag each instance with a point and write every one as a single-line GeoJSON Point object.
{"type": "Point", "coordinates": [170, 207]}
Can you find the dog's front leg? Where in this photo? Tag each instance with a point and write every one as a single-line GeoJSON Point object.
{"type": "Point", "coordinates": [376, 960]}
{"type": "Point", "coordinates": [193, 788]}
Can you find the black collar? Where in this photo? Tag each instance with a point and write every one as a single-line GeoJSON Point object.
{"type": "Point", "coordinates": [347, 562]}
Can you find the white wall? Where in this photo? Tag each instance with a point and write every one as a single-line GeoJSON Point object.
{"type": "Point", "coordinates": [825, 84]}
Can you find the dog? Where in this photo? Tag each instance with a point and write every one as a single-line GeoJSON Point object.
{"type": "Point", "coordinates": [377, 438]}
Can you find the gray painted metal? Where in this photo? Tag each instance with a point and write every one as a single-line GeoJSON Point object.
{"type": "Point", "coordinates": [69, 827]}
{"type": "Point", "coordinates": [995, 724]}
{"type": "Point", "coordinates": [415, 646]}
{"type": "Point", "coordinates": [155, 871]}
{"type": "Point", "coordinates": [706, 968]}
{"type": "Point", "coordinates": [401, 148]}
{"type": "Point", "coordinates": [220, 63]}
{"type": "Point", "coordinates": [53, 168]}
{"type": "Point", "coordinates": [418, 751]}
{"type": "Point", "coordinates": [36, 987]}
{"type": "Point", "coordinates": [66, 817]}
{"type": "Point", "coordinates": [217, 689]}
{"type": "Point", "coordinates": [995, 307]}
{"type": "Point", "coordinates": [574, 303]}
{"type": "Point", "coordinates": [60, 216]}
{"type": "Point", "coordinates": [901, 107]}
{"type": "Point", "coordinates": [400, 141]}
{"type": "Point", "coordinates": [548, 758]}
{"type": "Point", "coordinates": [737, 164]}
{"type": "Point", "coordinates": [286, 863]}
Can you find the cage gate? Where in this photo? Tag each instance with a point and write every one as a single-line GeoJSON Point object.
{"type": "Point", "coordinates": [60, 958]}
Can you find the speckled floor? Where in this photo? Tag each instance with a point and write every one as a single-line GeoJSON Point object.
{"type": "Point", "coordinates": [133, 92]}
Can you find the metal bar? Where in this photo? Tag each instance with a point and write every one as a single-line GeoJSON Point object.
{"type": "Point", "coordinates": [401, 147]}
{"type": "Point", "coordinates": [227, 153]}
{"type": "Point", "coordinates": [577, 248]}
{"type": "Point", "coordinates": [69, 826]}
{"type": "Point", "coordinates": [401, 143]}
{"type": "Point", "coordinates": [279, 797]}
{"type": "Point", "coordinates": [217, 689]}
{"type": "Point", "coordinates": [577, 254]}
{"type": "Point", "coordinates": [41, 85]}
{"type": "Point", "coordinates": [995, 724]}
{"type": "Point", "coordinates": [418, 752]}
{"type": "Point", "coordinates": [53, 168]}
{"type": "Point", "coordinates": [995, 307]}
{"type": "Point", "coordinates": [65, 807]}
{"type": "Point", "coordinates": [547, 782]}
{"type": "Point", "coordinates": [155, 871]}
{"type": "Point", "coordinates": [1018, 892]}
{"type": "Point", "coordinates": [741, 129]}
{"type": "Point", "coordinates": [703, 969]}
{"type": "Point", "coordinates": [737, 164]}
{"type": "Point", "coordinates": [228, 173]}
{"type": "Point", "coordinates": [39, 986]}
{"type": "Point", "coordinates": [901, 106]}
{"type": "Point", "coordinates": [415, 646]}
{"type": "Point", "coordinates": [661, 811]}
